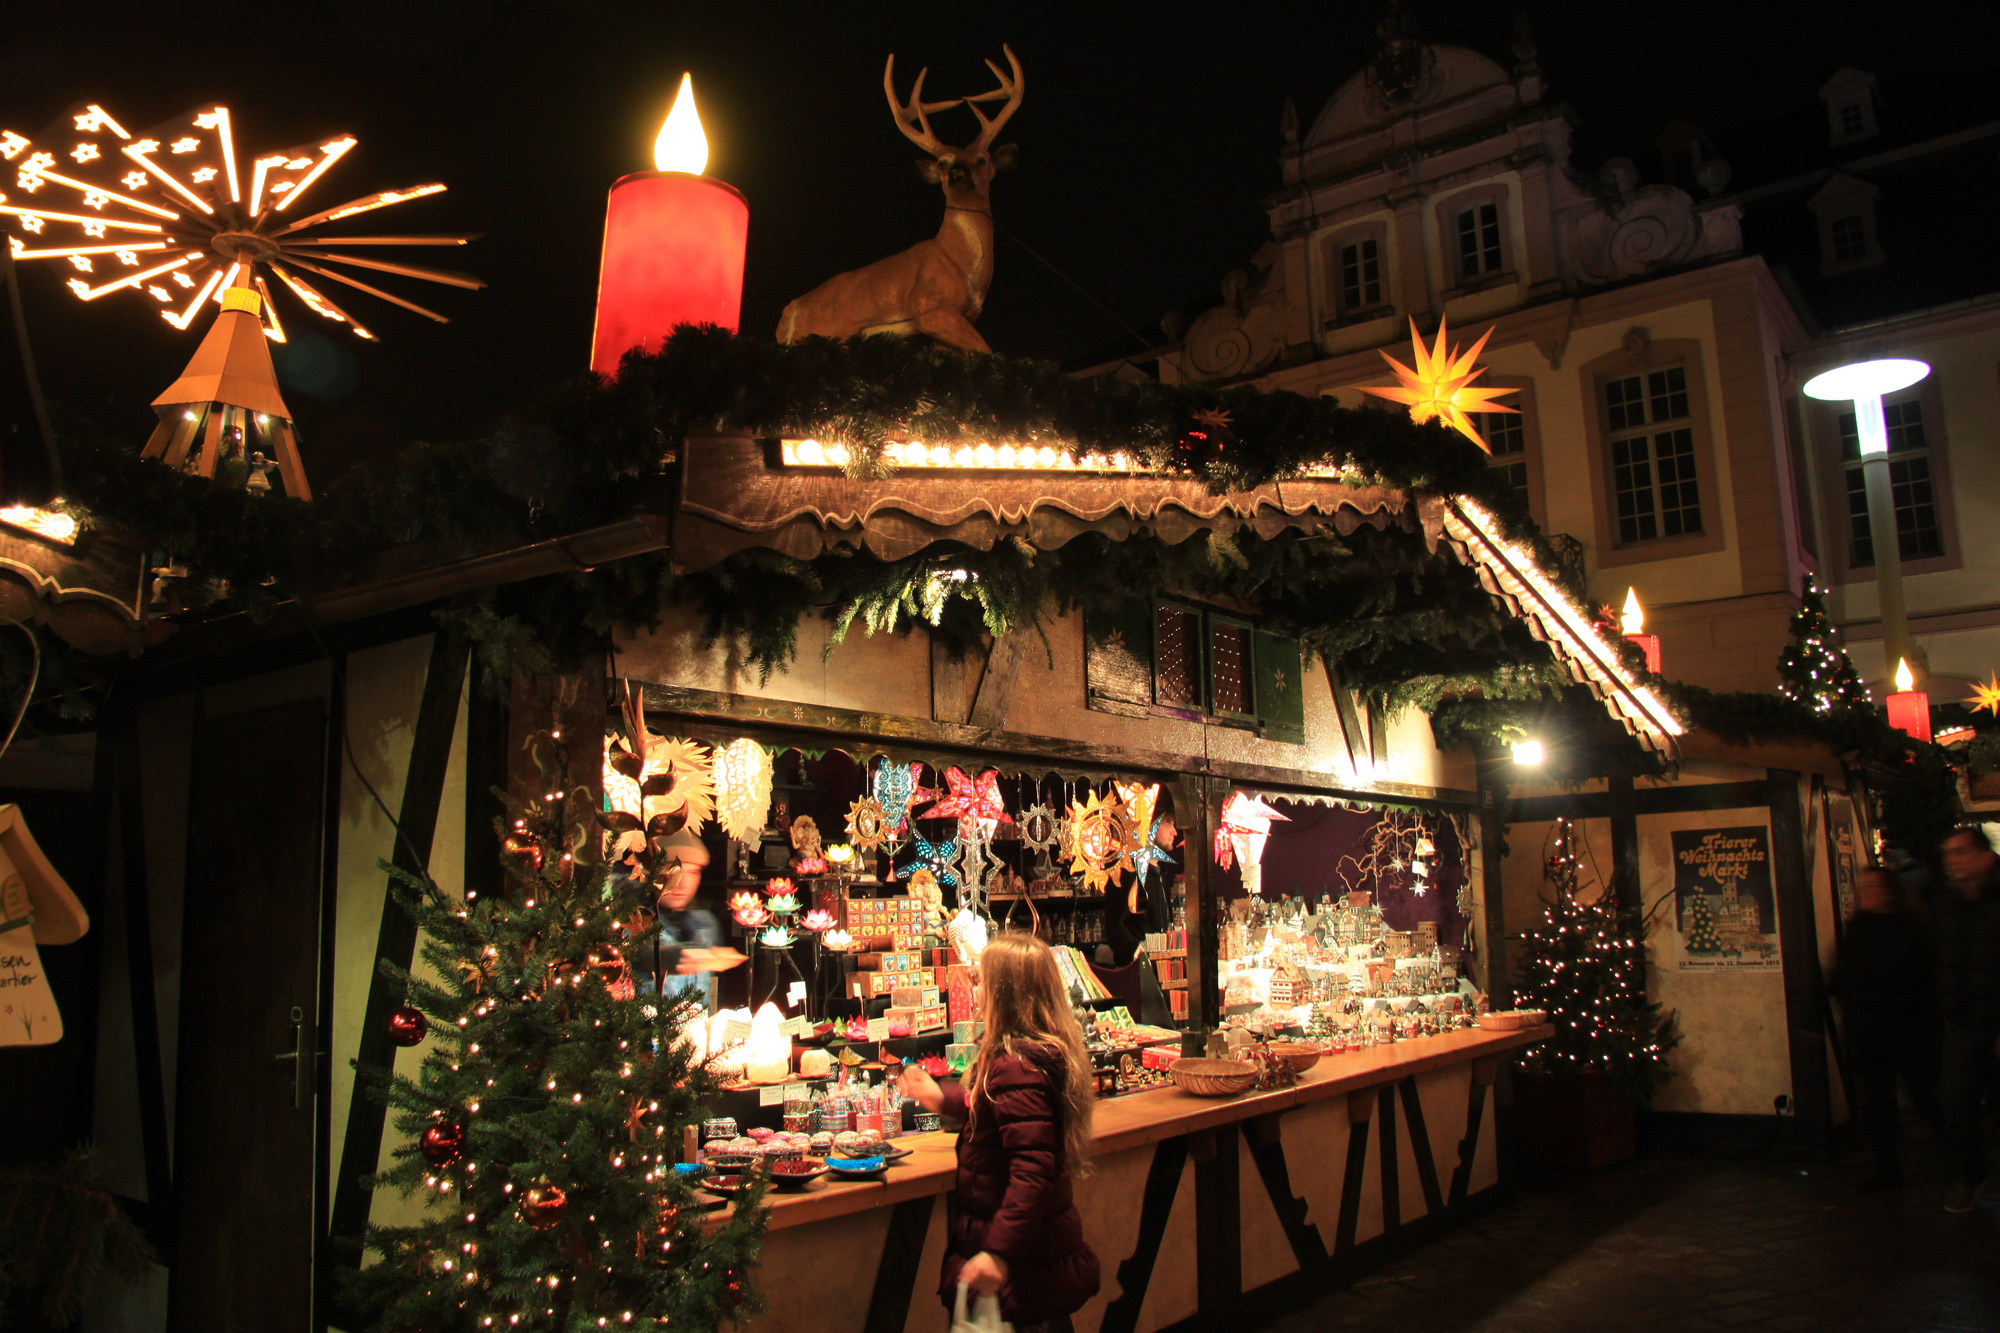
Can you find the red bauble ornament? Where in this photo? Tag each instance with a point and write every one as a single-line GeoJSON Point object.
{"type": "Point", "coordinates": [523, 852]}
{"type": "Point", "coordinates": [732, 1291]}
{"type": "Point", "coordinates": [544, 1206]}
{"type": "Point", "coordinates": [443, 1144]}
{"type": "Point", "coordinates": [408, 1026]}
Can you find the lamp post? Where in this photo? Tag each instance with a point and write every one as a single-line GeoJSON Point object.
{"type": "Point", "coordinates": [1863, 383]}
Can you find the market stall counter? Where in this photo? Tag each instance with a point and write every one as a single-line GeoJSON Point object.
{"type": "Point", "coordinates": [1376, 1138]}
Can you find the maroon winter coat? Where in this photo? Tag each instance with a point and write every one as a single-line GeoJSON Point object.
{"type": "Point", "coordinates": [1012, 1197]}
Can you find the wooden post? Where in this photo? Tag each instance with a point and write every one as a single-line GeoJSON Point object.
{"type": "Point", "coordinates": [423, 789]}
{"type": "Point", "coordinates": [1492, 924]}
{"type": "Point", "coordinates": [1625, 887]}
{"type": "Point", "coordinates": [1198, 803]}
{"type": "Point", "coordinates": [1798, 951]}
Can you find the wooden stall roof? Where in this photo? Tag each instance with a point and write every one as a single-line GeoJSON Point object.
{"type": "Point", "coordinates": [735, 495]}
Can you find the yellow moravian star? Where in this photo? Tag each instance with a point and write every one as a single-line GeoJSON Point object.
{"type": "Point", "coordinates": [1441, 385]}
{"type": "Point", "coordinates": [1986, 696]}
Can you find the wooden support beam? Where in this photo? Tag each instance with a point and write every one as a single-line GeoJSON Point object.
{"type": "Point", "coordinates": [996, 682]}
{"type": "Point", "coordinates": [1156, 1206]}
{"type": "Point", "coordinates": [1798, 950]}
{"type": "Point", "coordinates": [1492, 927]}
{"type": "Point", "coordinates": [1680, 798]}
{"type": "Point", "coordinates": [1420, 1146]}
{"type": "Point", "coordinates": [396, 940]}
{"type": "Point", "coordinates": [1264, 1138]}
{"type": "Point", "coordinates": [1218, 1230]}
{"type": "Point", "coordinates": [1468, 1147]}
{"type": "Point", "coordinates": [1351, 734]}
{"type": "Point", "coordinates": [897, 1272]}
{"type": "Point", "coordinates": [121, 734]}
{"type": "Point", "coordinates": [1392, 1184]}
{"type": "Point", "coordinates": [1360, 1106]}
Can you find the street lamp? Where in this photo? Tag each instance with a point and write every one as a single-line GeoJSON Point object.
{"type": "Point", "coordinates": [1529, 753]}
{"type": "Point", "coordinates": [1863, 383]}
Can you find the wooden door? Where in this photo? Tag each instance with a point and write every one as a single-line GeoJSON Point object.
{"type": "Point", "coordinates": [243, 1161]}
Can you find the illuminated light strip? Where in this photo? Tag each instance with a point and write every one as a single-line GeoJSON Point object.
{"type": "Point", "coordinates": [334, 152]}
{"type": "Point", "coordinates": [1003, 458]}
{"type": "Point", "coordinates": [142, 154]}
{"type": "Point", "coordinates": [103, 117]}
{"type": "Point", "coordinates": [186, 317]}
{"type": "Point", "coordinates": [218, 120]}
{"type": "Point", "coordinates": [133, 279]}
{"type": "Point", "coordinates": [274, 328]}
{"type": "Point", "coordinates": [81, 217]}
{"type": "Point", "coordinates": [22, 252]}
{"type": "Point", "coordinates": [365, 204]}
{"type": "Point", "coordinates": [127, 200]}
{"type": "Point", "coordinates": [258, 170]}
{"type": "Point", "coordinates": [44, 523]}
{"type": "Point", "coordinates": [1575, 628]}
{"type": "Point", "coordinates": [319, 304]}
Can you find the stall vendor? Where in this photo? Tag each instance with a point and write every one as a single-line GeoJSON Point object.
{"type": "Point", "coordinates": [1134, 910]}
{"type": "Point", "coordinates": [686, 946]}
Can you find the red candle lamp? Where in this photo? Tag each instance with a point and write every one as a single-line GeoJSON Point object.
{"type": "Point", "coordinates": [1909, 707]}
{"type": "Point", "coordinates": [674, 241]}
{"type": "Point", "coordinates": [1632, 621]}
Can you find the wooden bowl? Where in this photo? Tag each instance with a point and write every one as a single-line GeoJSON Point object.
{"type": "Point", "coordinates": [1302, 1055]}
{"type": "Point", "coordinates": [1513, 1019]}
{"type": "Point", "coordinates": [1212, 1078]}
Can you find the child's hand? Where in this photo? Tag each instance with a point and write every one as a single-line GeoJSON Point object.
{"type": "Point", "coordinates": [984, 1273]}
{"type": "Point", "coordinates": [922, 1089]}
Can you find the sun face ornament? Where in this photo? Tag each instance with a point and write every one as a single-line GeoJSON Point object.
{"type": "Point", "coordinates": [1101, 852]}
{"type": "Point", "coordinates": [1038, 827]}
{"type": "Point", "coordinates": [866, 827]}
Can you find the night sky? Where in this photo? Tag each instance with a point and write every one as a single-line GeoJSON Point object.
{"type": "Point", "coordinates": [1148, 135]}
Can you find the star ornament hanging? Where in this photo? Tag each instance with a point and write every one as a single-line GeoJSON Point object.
{"type": "Point", "coordinates": [1986, 696]}
{"type": "Point", "coordinates": [1440, 386]}
{"type": "Point", "coordinates": [972, 800]}
{"type": "Point", "coordinates": [936, 857]}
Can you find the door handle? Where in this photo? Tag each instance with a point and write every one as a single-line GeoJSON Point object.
{"type": "Point", "coordinates": [300, 1061]}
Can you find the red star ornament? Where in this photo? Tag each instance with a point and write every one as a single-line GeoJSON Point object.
{"type": "Point", "coordinates": [971, 798]}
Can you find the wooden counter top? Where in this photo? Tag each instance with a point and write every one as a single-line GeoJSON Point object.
{"type": "Point", "coordinates": [1133, 1121]}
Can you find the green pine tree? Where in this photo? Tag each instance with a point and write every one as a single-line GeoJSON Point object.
{"type": "Point", "coordinates": [554, 1110]}
{"type": "Point", "coordinates": [1813, 668]}
{"type": "Point", "coordinates": [1581, 966]}
{"type": "Point", "coordinates": [1698, 931]}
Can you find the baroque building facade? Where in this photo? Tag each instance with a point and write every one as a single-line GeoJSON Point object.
{"type": "Point", "coordinates": [1657, 334]}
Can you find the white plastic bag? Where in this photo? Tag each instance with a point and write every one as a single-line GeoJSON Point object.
{"type": "Point", "coordinates": [985, 1316]}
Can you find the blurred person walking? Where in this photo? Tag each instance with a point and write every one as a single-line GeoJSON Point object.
{"type": "Point", "coordinates": [1968, 943]}
{"type": "Point", "coordinates": [1883, 979]}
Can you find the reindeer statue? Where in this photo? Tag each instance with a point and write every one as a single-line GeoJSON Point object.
{"type": "Point", "coordinates": [936, 286]}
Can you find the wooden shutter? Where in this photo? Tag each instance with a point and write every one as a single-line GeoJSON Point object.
{"type": "Point", "coordinates": [1118, 658]}
{"type": "Point", "coordinates": [1232, 675]}
{"type": "Point", "coordinates": [1280, 696]}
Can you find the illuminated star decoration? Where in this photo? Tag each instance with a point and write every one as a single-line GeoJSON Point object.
{"type": "Point", "coordinates": [896, 788]}
{"type": "Point", "coordinates": [971, 799]}
{"type": "Point", "coordinates": [1101, 852]}
{"type": "Point", "coordinates": [936, 857]}
{"type": "Point", "coordinates": [202, 210]}
{"type": "Point", "coordinates": [1441, 385]}
{"type": "Point", "coordinates": [1986, 696]}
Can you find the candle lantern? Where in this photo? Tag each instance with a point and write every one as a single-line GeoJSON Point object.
{"type": "Point", "coordinates": [1632, 622]}
{"type": "Point", "coordinates": [674, 241]}
{"type": "Point", "coordinates": [1909, 707]}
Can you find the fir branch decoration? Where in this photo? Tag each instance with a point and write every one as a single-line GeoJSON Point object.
{"type": "Point", "coordinates": [61, 1233]}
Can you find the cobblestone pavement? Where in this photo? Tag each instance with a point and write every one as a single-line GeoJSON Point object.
{"type": "Point", "coordinates": [1669, 1244]}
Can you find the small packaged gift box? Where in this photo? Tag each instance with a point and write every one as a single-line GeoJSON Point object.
{"type": "Point", "coordinates": [722, 1127]}
{"type": "Point", "coordinates": [927, 1122]}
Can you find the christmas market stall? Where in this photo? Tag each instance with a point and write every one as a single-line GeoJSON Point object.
{"type": "Point", "coordinates": [523, 881]}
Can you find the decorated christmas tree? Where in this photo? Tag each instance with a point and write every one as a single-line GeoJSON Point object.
{"type": "Point", "coordinates": [1698, 929]}
{"type": "Point", "coordinates": [1581, 966]}
{"type": "Point", "coordinates": [1813, 668]}
{"type": "Point", "coordinates": [546, 1119]}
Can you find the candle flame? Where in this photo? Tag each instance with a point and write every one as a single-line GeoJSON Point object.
{"type": "Point", "coordinates": [1633, 619]}
{"type": "Point", "coordinates": [1905, 682]}
{"type": "Point", "coordinates": [682, 146]}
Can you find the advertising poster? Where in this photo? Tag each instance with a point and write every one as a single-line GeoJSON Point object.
{"type": "Point", "coordinates": [1722, 898]}
{"type": "Point", "coordinates": [1843, 851]}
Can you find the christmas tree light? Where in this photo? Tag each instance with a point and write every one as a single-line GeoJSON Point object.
{"type": "Point", "coordinates": [1589, 975]}
{"type": "Point", "coordinates": [1813, 669]}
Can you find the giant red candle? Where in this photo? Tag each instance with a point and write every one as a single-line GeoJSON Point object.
{"type": "Point", "coordinates": [1909, 708]}
{"type": "Point", "coordinates": [673, 245]}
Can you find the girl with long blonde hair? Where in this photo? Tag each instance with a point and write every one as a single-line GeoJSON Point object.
{"type": "Point", "coordinates": [1026, 1102]}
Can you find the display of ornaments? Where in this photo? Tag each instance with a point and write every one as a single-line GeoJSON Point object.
{"type": "Point", "coordinates": [408, 1026]}
{"type": "Point", "coordinates": [443, 1143]}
